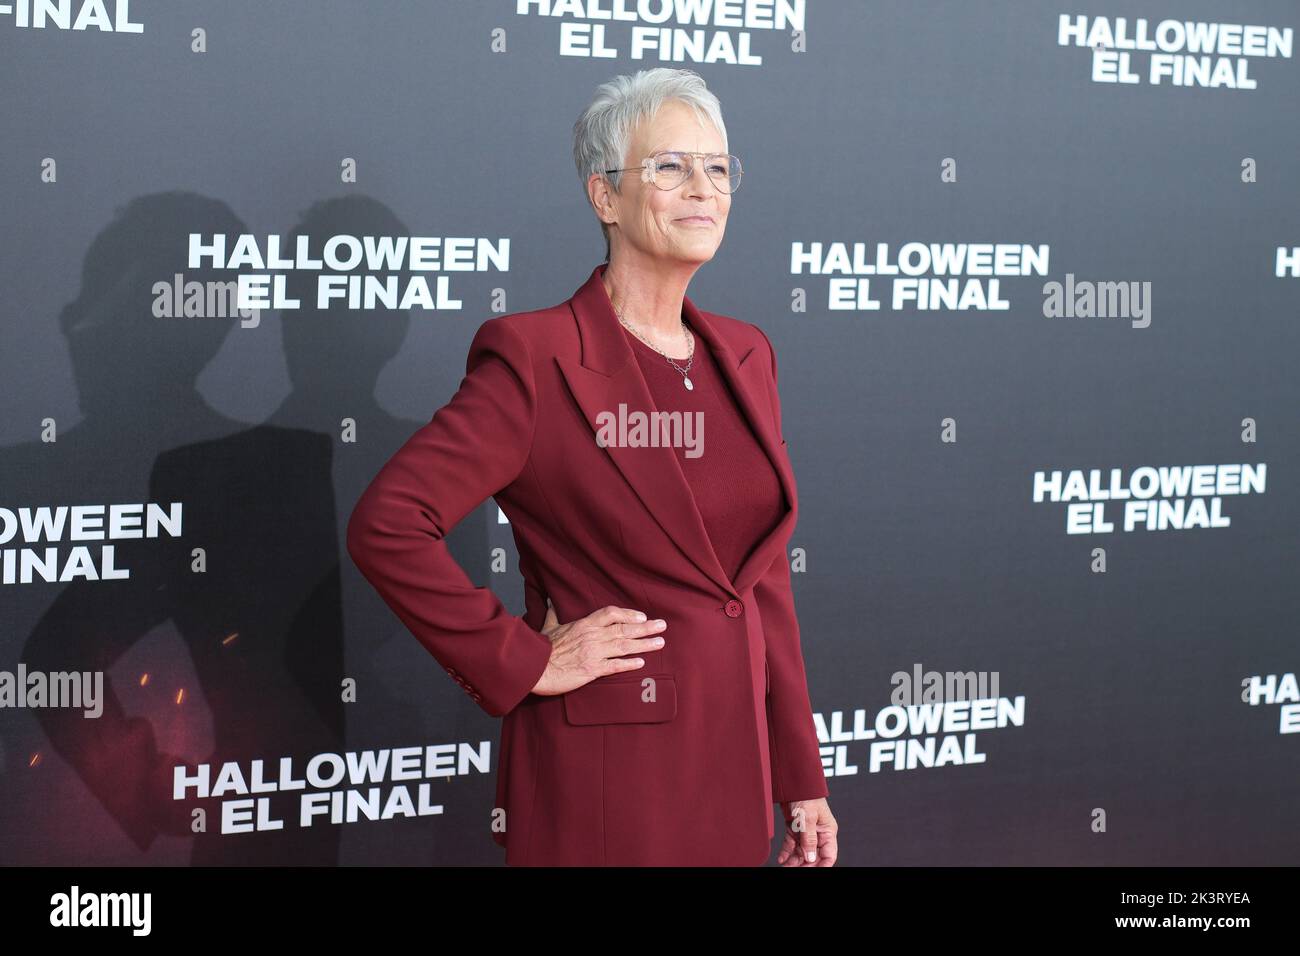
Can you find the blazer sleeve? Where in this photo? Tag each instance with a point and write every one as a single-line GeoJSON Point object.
{"type": "Point", "coordinates": [792, 734]}
{"type": "Point", "coordinates": [474, 446]}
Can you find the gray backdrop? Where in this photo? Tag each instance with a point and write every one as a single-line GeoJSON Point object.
{"type": "Point", "coordinates": [916, 434]}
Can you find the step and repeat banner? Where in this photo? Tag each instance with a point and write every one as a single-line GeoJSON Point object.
{"type": "Point", "coordinates": [1032, 274]}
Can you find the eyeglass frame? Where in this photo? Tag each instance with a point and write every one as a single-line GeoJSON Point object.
{"type": "Point", "coordinates": [648, 173]}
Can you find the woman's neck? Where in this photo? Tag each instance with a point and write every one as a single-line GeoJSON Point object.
{"type": "Point", "coordinates": [650, 301]}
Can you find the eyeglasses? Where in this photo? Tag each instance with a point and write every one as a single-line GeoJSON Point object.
{"type": "Point", "coordinates": [668, 169]}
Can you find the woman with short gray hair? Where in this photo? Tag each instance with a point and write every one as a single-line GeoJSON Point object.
{"type": "Point", "coordinates": [653, 695]}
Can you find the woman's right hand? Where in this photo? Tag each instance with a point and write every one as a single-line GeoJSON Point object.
{"type": "Point", "coordinates": [589, 647]}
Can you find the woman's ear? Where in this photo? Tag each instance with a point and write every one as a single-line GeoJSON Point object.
{"type": "Point", "coordinates": [601, 200]}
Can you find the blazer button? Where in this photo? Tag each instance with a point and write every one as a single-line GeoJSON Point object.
{"type": "Point", "coordinates": [734, 608]}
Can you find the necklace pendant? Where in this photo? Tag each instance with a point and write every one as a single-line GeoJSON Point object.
{"type": "Point", "coordinates": [687, 382]}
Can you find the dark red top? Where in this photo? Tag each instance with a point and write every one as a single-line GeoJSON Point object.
{"type": "Point", "coordinates": [735, 486]}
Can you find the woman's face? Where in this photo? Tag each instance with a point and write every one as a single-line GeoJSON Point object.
{"type": "Point", "coordinates": [670, 224]}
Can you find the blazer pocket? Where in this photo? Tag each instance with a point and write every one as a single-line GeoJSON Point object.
{"type": "Point", "coordinates": [619, 700]}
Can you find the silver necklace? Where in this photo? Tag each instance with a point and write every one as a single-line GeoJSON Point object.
{"type": "Point", "coordinates": [690, 356]}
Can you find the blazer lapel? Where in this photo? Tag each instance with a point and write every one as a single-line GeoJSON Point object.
{"type": "Point", "coordinates": [609, 374]}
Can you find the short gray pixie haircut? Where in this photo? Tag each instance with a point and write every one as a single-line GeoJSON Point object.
{"type": "Point", "coordinates": [602, 132]}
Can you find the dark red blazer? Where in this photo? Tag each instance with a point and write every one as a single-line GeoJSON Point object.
{"type": "Point", "coordinates": [679, 762]}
